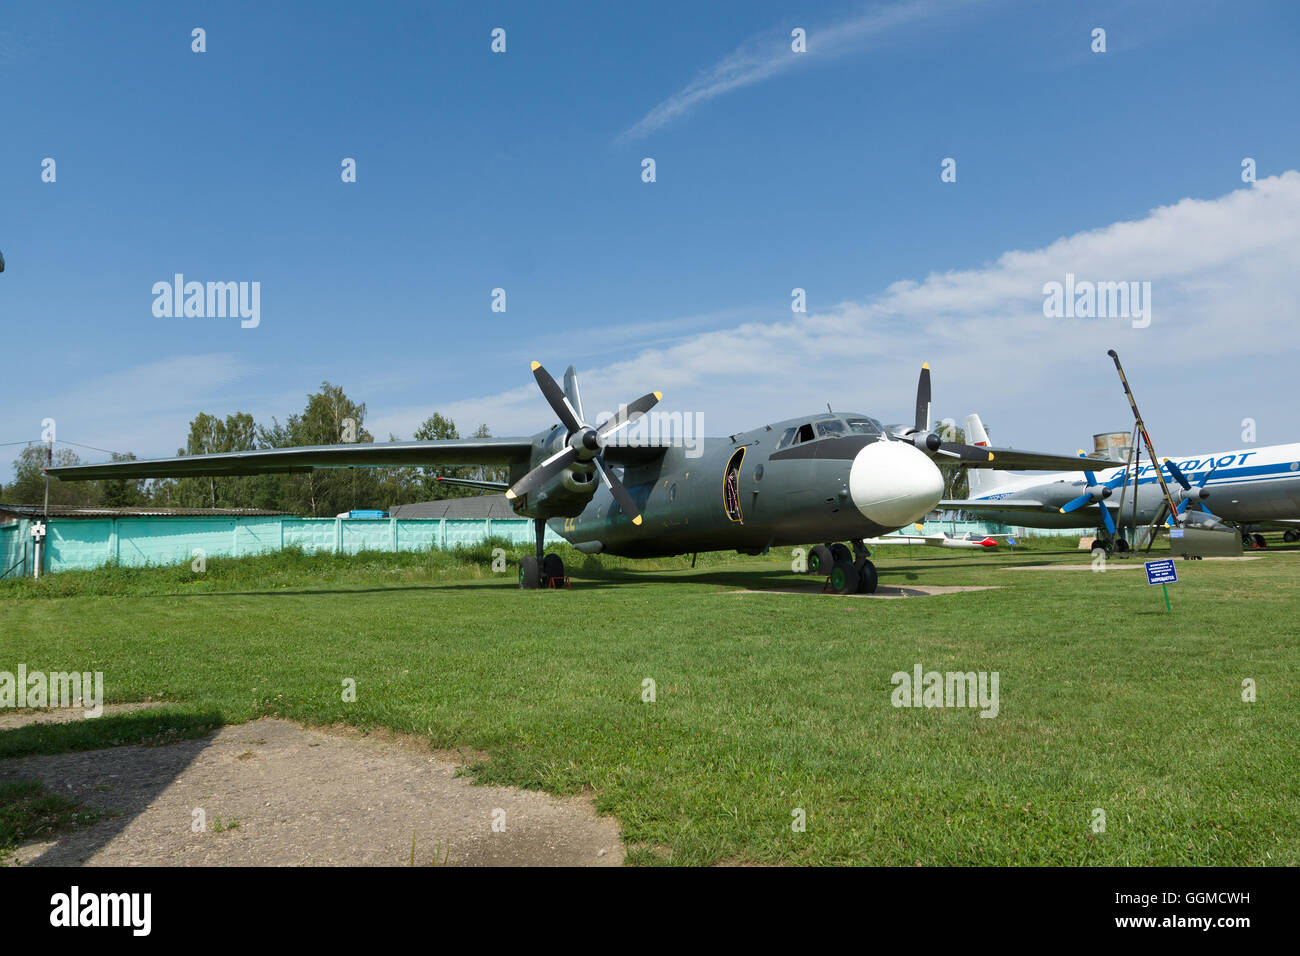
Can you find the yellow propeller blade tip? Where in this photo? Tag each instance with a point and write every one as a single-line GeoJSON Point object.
{"type": "Point", "coordinates": [1062, 511]}
{"type": "Point", "coordinates": [925, 365]}
{"type": "Point", "coordinates": [510, 495]}
{"type": "Point", "coordinates": [1081, 454]}
{"type": "Point", "coordinates": [636, 520]}
{"type": "Point", "coordinates": [659, 396]}
{"type": "Point", "coordinates": [990, 456]}
{"type": "Point", "coordinates": [536, 366]}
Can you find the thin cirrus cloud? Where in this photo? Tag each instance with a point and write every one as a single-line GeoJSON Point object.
{"type": "Point", "coordinates": [769, 53]}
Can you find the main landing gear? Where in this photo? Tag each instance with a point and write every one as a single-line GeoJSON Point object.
{"type": "Point", "coordinates": [846, 572]}
{"type": "Point", "coordinates": [541, 571]}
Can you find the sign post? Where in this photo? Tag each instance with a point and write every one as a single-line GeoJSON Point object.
{"type": "Point", "coordinates": [1164, 574]}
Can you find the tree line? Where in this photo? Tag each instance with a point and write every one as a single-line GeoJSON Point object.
{"type": "Point", "coordinates": [329, 418]}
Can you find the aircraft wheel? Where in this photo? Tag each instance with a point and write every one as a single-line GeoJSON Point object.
{"type": "Point", "coordinates": [1290, 537]}
{"type": "Point", "coordinates": [552, 568]}
{"type": "Point", "coordinates": [820, 560]}
{"type": "Point", "coordinates": [844, 578]}
{"type": "Point", "coordinates": [840, 552]}
{"type": "Point", "coordinates": [868, 578]}
{"type": "Point", "coordinates": [1258, 540]}
{"type": "Point", "coordinates": [1098, 543]}
{"type": "Point", "coordinates": [530, 576]}
{"type": "Point", "coordinates": [1121, 545]}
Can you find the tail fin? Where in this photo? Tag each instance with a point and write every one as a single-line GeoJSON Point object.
{"type": "Point", "coordinates": [571, 391]}
{"type": "Point", "coordinates": [981, 480]}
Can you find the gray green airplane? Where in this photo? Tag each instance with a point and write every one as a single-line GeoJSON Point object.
{"type": "Point", "coordinates": [828, 477]}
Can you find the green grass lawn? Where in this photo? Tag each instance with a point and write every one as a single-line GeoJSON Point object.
{"type": "Point", "coordinates": [766, 703]}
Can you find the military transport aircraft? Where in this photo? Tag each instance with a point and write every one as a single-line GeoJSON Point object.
{"type": "Point", "coordinates": [1252, 488]}
{"type": "Point", "coordinates": [829, 476]}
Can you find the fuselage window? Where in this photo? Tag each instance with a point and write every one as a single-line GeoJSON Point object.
{"type": "Point", "coordinates": [865, 426]}
{"type": "Point", "coordinates": [829, 427]}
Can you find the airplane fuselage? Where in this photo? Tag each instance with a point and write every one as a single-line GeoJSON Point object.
{"type": "Point", "coordinates": [1245, 486]}
{"type": "Point", "coordinates": [826, 477]}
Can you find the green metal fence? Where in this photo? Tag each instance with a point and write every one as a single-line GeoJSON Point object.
{"type": "Point", "coordinates": [136, 541]}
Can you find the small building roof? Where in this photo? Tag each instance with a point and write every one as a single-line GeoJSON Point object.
{"type": "Point", "coordinates": [473, 507]}
{"type": "Point", "coordinates": [73, 511]}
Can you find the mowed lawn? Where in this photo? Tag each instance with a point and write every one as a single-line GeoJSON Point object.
{"type": "Point", "coordinates": [765, 704]}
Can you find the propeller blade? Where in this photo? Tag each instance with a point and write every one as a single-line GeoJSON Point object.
{"type": "Point", "coordinates": [1182, 507]}
{"type": "Point", "coordinates": [543, 473]}
{"type": "Point", "coordinates": [556, 398]}
{"type": "Point", "coordinates": [923, 399]}
{"type": "Point", "coordinates": [1106, 519]}
{"type": "Point", "coordinates": [1178, 475]}
{"type": "Point", "coordinates": [625, 500]}
{"type": "Point", "coordinates": [1077, 503]}
{"type": "Point", "coordinates": [627, 415]}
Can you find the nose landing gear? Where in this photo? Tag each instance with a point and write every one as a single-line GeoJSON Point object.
{"type": "Point", "coordinates": [848, 572]}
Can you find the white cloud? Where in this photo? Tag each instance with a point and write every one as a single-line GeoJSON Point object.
{"type": "Point", "coordinates": [769, 53]}
{"type": "Point", "coordinates": [1225, 313]}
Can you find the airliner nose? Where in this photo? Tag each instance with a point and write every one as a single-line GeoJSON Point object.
{"type": "Point", "coordinates": [894, 484]}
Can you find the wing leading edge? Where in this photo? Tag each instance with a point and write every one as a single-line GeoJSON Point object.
{"type": "Point", "coordinates": [266, 461]}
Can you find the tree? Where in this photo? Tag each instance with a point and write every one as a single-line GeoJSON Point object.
{"type": "Point", "coordinates": [122, 492]}
{"type": "Point", "coordinates": [211, 435]}
{"type": "Point", "coordinates": [28, 487]}
{"type": "Point", "coordinates": [330, 418]}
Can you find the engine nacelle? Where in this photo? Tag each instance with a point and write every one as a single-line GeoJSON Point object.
{"type": "Point", "coordinates": [580, 478]}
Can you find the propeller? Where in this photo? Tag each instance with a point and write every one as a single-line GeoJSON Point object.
{"type": "Point", "coordinates": [1095, 493]}
{"type": "Point", "coordinates": [920, 435]}
{"type": "Point", "coordinates": [583, 443]}
{"type": "Point", "coordinates": [1190, 493]}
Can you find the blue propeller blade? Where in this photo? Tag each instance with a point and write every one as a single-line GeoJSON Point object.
{"type": "Point", "coordinates": [1077, 503]}
{"type": "Point", "coordinates": [1106, 519]}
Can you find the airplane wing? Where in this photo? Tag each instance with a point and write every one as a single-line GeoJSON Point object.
{"type": "Point", "coordinates": [1013, 459]}
{"type": "Point", "coordinates": [263, 461]}
{"type": "Point", "coordinates": [935, 541]}
{"type": "Point", "coordinates": [1006, 504]}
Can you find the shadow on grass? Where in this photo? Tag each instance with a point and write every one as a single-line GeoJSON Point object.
{"type": "Point", "coordinates": [116, 764]}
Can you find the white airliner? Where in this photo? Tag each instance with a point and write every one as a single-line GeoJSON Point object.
{"type": "Point", "coordinates": [1252, 488]}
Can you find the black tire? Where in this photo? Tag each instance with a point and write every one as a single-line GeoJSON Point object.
{"type": "Point", "coordinates": [1098, 543]}
{"type": "Point", "coordinates": [820, 560]}
{"type": "Point", "coordinates": [844, 578]}
{"type": "Point", "coordinates": [1259, 540]}
{"type": "Point", "coordinates": [868, 577]}
{"type": "Point", "coordinates": [552, 568]}
{"type": "Point", "coordinates": [530, 575]}
{"type": "Point", "coordinates": [840, 552]}
{"type": "Point", "coordinates": [1121, 545]}
{"type": "Point", "coordinates": [1291, 537]}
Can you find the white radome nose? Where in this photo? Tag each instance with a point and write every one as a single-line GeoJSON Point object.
{"type": "Point", "coordinates": [893, 484]}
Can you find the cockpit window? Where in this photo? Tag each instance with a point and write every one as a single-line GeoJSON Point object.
{"type": "Point", "coordinates": [805, 434]}
{"type": "Point", "coordinates": [830, 426]}
{"type": "Point", "coordinates": [865, 426]}
{"type": "Point", "coordinates": [788, 437]}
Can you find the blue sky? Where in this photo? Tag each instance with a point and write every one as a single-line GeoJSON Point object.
{"type": "Point", "coordinates": [774, 170]}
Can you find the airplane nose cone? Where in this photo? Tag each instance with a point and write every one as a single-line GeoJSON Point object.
{"type": "Point", "coordinates": [894, 484]}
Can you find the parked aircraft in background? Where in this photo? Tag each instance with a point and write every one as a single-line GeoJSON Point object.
{"type": "Point", "coordinates": [1251, 488]}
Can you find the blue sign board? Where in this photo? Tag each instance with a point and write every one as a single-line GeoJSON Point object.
{"type": "Point", "coordinates": [1161, 572]}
